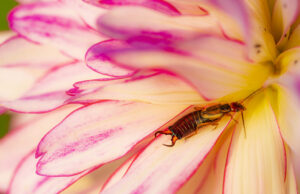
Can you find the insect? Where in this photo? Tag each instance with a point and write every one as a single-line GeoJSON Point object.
{"type": "Point", "coordinates": [190, 123]}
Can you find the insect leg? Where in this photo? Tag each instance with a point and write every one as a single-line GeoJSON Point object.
{"type": "Point", "coordinates": [215, 124]}
{"type": "Point", "coordinates": [174, 139]}
{"type": "Point", "coordinates": [166, 132]}
{"type": "Point", "coordinates": [232, 117]}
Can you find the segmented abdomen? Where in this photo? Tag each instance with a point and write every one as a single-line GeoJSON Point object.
{"type": "Point", "coordinates": [188, 124]}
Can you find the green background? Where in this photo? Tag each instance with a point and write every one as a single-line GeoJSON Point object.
{"type": "Point", "coordinates": [5, 6]}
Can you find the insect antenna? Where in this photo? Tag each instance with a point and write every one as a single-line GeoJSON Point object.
{"type": "Point", "coordinates": [252, 94]}
{"type": "Point", "coordinates": [244, 124]}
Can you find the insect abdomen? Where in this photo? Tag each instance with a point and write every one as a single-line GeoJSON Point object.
{"type": "Point", "coordinates": [187, 125]}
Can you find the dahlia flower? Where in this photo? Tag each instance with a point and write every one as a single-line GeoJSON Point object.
{"type": "Point", "coordinates": [103, 76]}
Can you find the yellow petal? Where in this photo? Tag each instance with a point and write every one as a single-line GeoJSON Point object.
{"type": "Point", "coordinates": [256, 160]}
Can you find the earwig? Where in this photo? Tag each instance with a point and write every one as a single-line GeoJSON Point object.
{"type": "Point", "coordinates": [204, 116]}
{"type": "Point", "coordinates": [190, 123]}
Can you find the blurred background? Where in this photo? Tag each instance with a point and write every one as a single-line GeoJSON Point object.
{"type": "Point", "coordinates": [5, 6]}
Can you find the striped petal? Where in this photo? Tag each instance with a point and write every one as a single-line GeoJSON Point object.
{"type": "Point", "coordinates": [209, 176]}
{"type": "Point", "coordinates": [80, 141]}
{"type": "Point", "coordinates": [157, 88]}
{"type": "Point", "coordinates": [34, 183]}
{"type": "Point", "coordinates": [50, 91]}
{"type": "Point", "coordinates": [129, 22]}
{"type": "Point", "coordinates": [214, 66]}
{"type": "Point", "coordinates": [25, 137]}
{"type": "Point", "coordinates": [119, 173]}
{"type": "Point", "coordinates": [162, 169]}
{"type": "Point", "coordinates": [54, 24]}
{"type": "Point", "coordinates": [250, 154]}
{"type": "Point", "coordinates": [237, 10]}
{"type": "Point", "coordinates": [104, 66]}
{"type": "Point", "coordinates": [157, 5]}
{"type": "Point", "coordinates": [87, 12]}
{"type": "Point", "coordinates": [19, 52]}
{"type": "Point", "coordinates": [20, 68]}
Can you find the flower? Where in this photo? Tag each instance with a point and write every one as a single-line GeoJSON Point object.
{"type": "Point", "coordinates": [155, 61]}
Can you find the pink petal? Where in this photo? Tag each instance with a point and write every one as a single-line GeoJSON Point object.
{"type": "Point", "coordinates": [130, 22]}
{"type": "Point", "coordinates": [104, 66]}
{"type": "Point", "coordinates": [26, 181]}
{"type": "Point", "coordinates": [14, 82]}
{"type": "Point", "coordinates": [214, 66]}
{"type": "Point", "coordinates": [38, 103]}
{"type": "Point", "coordinates": [157, 88]}
{"type": "Point", "coordinates": [80, 141]}
{"type": "Point", "coordinates": [54, 24]}
{"type": "Point", "coordinates": [119, 173]}
{"type": "Point", "coordinates": [19, 52]}
{"type": "Point", "coordinates": [259, 156]}
{"type": "Point", "coordinates": [86, 11]}
{"type": "Point", "coordinates": [160, 169]}
{"type": "Point", "coordinates": [209, 176]}
{"type": "Point", "coordinates": [20, 69]}
{"type": "Point", "coordinates": [34, 1]}
{"type": "Point", "coordinates": [50, 91]}
{"type": "Point", "coordinates": [191, 7]}
{"type": "Point", "coordinates": [237, 10]}
{"type": "Point", "coordinates": [21, 140]}
{"type": "Point", "coordinates": [63, 77]}
{"type": "Point", "coordinates": [157, 5]}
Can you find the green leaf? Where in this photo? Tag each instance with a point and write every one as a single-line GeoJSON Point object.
{"type": "Point", "coordinates": [5, 7]}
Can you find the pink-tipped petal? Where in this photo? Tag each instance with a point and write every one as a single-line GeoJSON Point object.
{"type": "Point", "coordinates": [99, 133]}
{"type": "Point", "coordinates": [209, 176]}
{"type": "Point", "coordinates": [50, 91]}
{"type": "Point", "coordinates": [191, 7]}
{"type": "Point", "coordinates": [38, 103]}
{"type": "Point", "coordinates": [161, 169]}
{"type": "Point", "coordinates": [34, 1]}
{"type": "Point", "coordinates": [87, 12]}
{"type": "Point", "coordinates": [119, 173]}
{"type": "Point", "coordinates": [257, 159]}
{"type": "Point", "coordinates": [129, 22]}
{"type": "Point", "coordinates": [54, 24]}
{"type": "Point", "coordinates": [159, 88]}
{"type": "Point", "coordinates": [63, 77]}
{"type": "Point", "coordinates": [26, 181]}
{"type": "Point", "coordinates": [19, 52]}
{"type": "Point", "coordinates": [14, 82]}
{"type": "Point", "coordinates": [105, 66]}
{"type": "Point", "coordinates": [237, 10]}
{"type": "Point", "coordinates": [20, 69]}
{"type": "Point", "coordinates": [24, 138]}
{"type": "Point", "coordinates": [157, 5]}
{"type": "Point", "coordinates": [214, 66]}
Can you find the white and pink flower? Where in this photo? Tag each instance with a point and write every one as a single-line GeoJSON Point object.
{"type": "Point", "coordinates": [96, 79]}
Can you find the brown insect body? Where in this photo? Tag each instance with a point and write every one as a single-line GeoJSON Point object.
{"type": "Point", "coordinates": [190, 123]}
